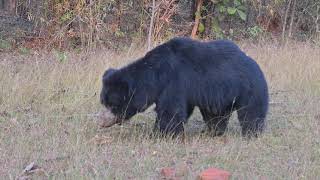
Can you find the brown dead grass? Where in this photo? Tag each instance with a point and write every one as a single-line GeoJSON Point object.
{"type": "Point", "coordinates": [46, 112]}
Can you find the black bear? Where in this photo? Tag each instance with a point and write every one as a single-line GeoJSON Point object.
{"type": "Point", "coordinates": [178, 75]}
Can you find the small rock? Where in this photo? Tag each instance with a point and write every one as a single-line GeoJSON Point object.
{"type": "Point", "coordinates": [214, 174]}
{"type": "Point", "coordinates": [30, 167]}
{"type": "Point", "coordinates": [31, 170]}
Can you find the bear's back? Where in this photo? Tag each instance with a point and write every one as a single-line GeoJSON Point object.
{"type": "Point", "coordinates": [204, 56]}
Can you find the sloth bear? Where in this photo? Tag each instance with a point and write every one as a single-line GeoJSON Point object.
{"type": "Point", "coordinates": [182, 73]}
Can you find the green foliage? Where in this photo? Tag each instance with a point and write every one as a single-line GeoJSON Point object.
{"type": "Point", "coordinates": [242, 15]}
{"type": "Point", "coordinates": [61, 56]}
{"type": "Point", "coordinates": [24, 50]}
{"type": "Point", "coordinates": [233, 9]}
{"type": "Point", "coordinates": [201, 27]}
{"type": "Point", "coordinates": [67, 16]}
{"type": "Point", "coordinates": [216, 29]}
{"type": "Point", "coordinates": [222, 9]}
{"type": "Point", "coordinates": [227, 9]}
{"type": "Point", "coordinates": [119, 33]}
{"type": "Point", "coordinates": [5, 45]}
{"type": "Point", "coordinates": [93, 23]}
{"type": "Point", "coordinates": [254, 31]}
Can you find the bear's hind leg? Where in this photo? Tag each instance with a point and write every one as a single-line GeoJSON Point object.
{"type": "Point", "coordinates": [216, 123]}
{"type": "Point", "coordinates": [252, 120]}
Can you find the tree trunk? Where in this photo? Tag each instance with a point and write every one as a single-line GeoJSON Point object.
{"type": "Point", "coordinates": [292, 19]}
{"type": "Point", "coordinates": [285, 21]}
{"type": "Point", "coordinates": [317, 22]}
{"type": "Point", "coordinates": [197, 18]}
{"type": "Point", "coordinates": [151, 25]}
{"type": "Point", "coordinates": [208, 20]}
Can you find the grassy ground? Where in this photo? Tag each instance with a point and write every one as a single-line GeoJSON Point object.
{"type": "Point", "coordinates": [46, 110]}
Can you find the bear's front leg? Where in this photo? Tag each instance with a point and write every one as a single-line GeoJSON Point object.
{"type": "Point", "coordinates": [171, 115]}
{"type": "Point", "coordinates": [169, 123]}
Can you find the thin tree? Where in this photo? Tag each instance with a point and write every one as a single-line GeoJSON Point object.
{"type": "Point", "coordinates": [151, 25]}
{"type": "Point", "coordinates": [197, 18]}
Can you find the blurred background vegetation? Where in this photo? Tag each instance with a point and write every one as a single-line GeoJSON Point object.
{"type": "Point", "coordinates": [114, 24]}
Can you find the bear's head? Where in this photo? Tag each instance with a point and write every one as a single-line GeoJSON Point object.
{"type": "Point", "coordinates": [118, 97]}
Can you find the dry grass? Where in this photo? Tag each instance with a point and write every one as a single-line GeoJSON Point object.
{"type": "Point", "coordinates": [46, 112]}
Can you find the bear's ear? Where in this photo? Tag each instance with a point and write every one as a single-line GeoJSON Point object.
{"type": "Point", "coordinates": [179, 43]}
{"type": "Point", "coordinates": [108, 72]}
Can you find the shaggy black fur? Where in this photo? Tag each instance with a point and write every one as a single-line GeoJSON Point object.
{"type": "Point", "coordinates": [183, 73]}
